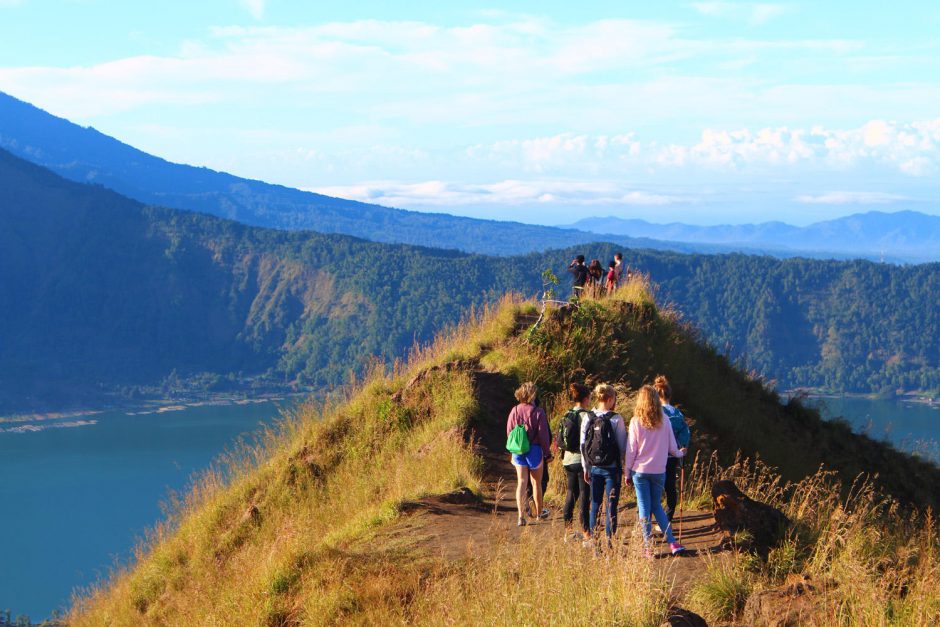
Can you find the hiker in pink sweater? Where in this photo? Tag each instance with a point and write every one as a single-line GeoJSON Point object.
{"type": "Point", "coordinates": [530, 464]}
{"type": "Point", "coordinates": [650, 441]}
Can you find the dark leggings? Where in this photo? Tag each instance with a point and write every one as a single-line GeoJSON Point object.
{"type": "Point", "coordinates": [672, 494]}
{"type": "Point", "coordinates": [577, 488]}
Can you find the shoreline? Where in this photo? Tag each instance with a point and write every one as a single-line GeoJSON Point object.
{"type": "Point", "coordinates": [918, 398]}
{"type": "Point", "coordinates": [140, 408]}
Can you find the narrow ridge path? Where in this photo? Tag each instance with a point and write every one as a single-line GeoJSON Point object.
{"type": "Point", "coordinates": [458, 525]}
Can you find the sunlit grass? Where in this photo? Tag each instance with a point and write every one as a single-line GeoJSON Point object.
{"type": "Point", "coordinates": [289, 531]}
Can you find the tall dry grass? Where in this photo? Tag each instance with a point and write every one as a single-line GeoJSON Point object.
{"type": "Point", "coordinates": [875, 562]}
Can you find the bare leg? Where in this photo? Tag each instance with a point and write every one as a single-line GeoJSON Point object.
{"type": "Point", "coordinates": [537, 488]}
{"type": "Point", "coordinates": [522, 480]}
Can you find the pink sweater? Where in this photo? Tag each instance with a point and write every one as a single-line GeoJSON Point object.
{"type": "Point", "coordinates": [647, 449]}
{"type": "Point", "coordinates": [535, 422]}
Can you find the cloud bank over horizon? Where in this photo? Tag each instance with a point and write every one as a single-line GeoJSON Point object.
{"type": "Point", "coordinates": [710, 103]}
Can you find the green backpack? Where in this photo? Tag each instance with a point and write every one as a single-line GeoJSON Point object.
{"type": "Point", "coordinates": [518, 441]}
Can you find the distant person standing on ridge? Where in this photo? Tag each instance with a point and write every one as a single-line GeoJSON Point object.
{"type": "Point", "coordinates": [650, 442]}
{"type": "Point", "coordinates": [612, 281]}
{"type": "Point", "coordinates": [529, 464]}
{"type": "Point", "coordinates": [595, 276]}
{"type": "Point", "coordinates": [618, 259]}
{"type": "Point", "coordinates": [603, 446]}
{"type": "Point", "coordinates": [579, 275]}
{"type": "Point", "coordinates": [569, 441]}
{"type": "Point", "coordinates": [681, 430]}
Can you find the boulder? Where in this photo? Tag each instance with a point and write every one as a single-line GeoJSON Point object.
{"type": "Point", "coordinates": [801, 601]}
{"type": "Point", "coordinates": [736, 512]}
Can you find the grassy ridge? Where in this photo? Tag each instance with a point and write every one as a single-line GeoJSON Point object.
{"type": "Point", "coordinates": [292, 533]}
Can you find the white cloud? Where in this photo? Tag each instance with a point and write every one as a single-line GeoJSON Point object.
{"type": "Point", "coordinates": [754, 13]}
{"type": "Point", "coordinates": [910, 148]}
{"type": "Point", "coordinates": [515, 70]}
{"type": "Point", "coordinates": [850, 198]}
{"type": "Point", "coordinates": [255, 7]}
{"type": "Point", "coordinates": [503, 193]}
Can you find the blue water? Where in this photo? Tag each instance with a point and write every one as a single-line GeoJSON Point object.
{"type": "Point", "coordinates": [910, 427]}
{"type": "Point", "coordinates": [73, 500]}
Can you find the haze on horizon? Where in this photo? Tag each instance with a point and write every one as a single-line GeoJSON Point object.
{"type": "Point", "coordinates": [702, 112]}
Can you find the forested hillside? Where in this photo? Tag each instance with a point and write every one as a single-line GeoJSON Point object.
{"type": "Point", "coordinates": [98, 291]}
{"type": "Point", "coordinates": [99, 294]}
{"type": "Point", "coordinates": [846, 325]}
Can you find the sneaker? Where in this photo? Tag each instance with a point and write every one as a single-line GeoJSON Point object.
{"type": "Point", "coordinates": [544, 514]}
{"type": "Point", "coordinates": [676, 548]}
{"type": "Point", "coordinates": [521, 522]}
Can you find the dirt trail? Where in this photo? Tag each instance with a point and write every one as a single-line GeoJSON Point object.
{"type": "Point", "coordinates": [451, 525]}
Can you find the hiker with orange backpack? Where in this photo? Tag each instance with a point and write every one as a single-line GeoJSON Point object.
{"type": "Point", "coordinates": [527, 436]}
{"type": "Point", "coordinates": [649, 443]}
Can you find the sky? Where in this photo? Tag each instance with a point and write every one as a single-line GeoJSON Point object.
{"type": "Point", "coordinates": [544, 112]}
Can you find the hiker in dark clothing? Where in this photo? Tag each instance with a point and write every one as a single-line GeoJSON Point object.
{"type": "Point", "coordinates": [595, 276]}
{"type": "Point", "coordinates": [579, 275]}
{"type": "Point", "coordinates": [569, 441]}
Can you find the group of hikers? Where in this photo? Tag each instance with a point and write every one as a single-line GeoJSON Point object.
{"type": "Point", "coordinates": [600, 452]}
{"type": "Point", "coordinates": [594, 279]}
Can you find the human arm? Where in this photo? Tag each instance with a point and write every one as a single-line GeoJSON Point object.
{"type": "Point", "coordinates": [620, 432]}
{"type": "Point", "coordinates": [631, 448]}
{"type": "Point", "coordinates": [674, 449]}
{"type": "Point", "coordinates": [511, 421]}
{"type": "Point", "coordinates": [545, 432]}
{"type": "Point", "coordinates": [585, 421]}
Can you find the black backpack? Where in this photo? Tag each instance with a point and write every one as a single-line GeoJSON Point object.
{"type": "Point", "coordinates": [569, 432]}
{"type": "Point", "coordinates": [600, 442]}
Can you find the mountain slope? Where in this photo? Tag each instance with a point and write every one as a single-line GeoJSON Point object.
{"type": "Point", "coordinates": [906, 235]}
{"type": "Point", "coordinates": [97, 291]}
{"type": "Point", "coordinates": [840, 325]}
{"type": "Point", "coordinates": [88, 156]}
{"type": "Point", "coordinates": [100, 295]}
{"type": "Point", "coordinates": [334, 520]}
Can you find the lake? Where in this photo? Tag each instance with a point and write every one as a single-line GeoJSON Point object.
{"type": "Point", "coordinates": [908, 426]}
{"type": "Point", "coordinates": [75, 498]}
{"type": "Point", "coordinates": [72, 499]}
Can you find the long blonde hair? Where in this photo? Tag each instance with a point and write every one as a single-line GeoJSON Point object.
{"type": "Point", "coordinates": [649, 409]}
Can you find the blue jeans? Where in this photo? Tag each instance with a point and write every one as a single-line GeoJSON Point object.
{"type": "Point", "coordinates": [649, 496]}
{"type": "Point", "coordinates": [605, 485]}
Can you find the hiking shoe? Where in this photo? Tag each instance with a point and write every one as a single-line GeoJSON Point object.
{"type": "Point", "coordinates": [676, 548]}
{"type": "Point", "coordinates": [521, 522]}
{"type": "Point", "coordinates": [544, 514]}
